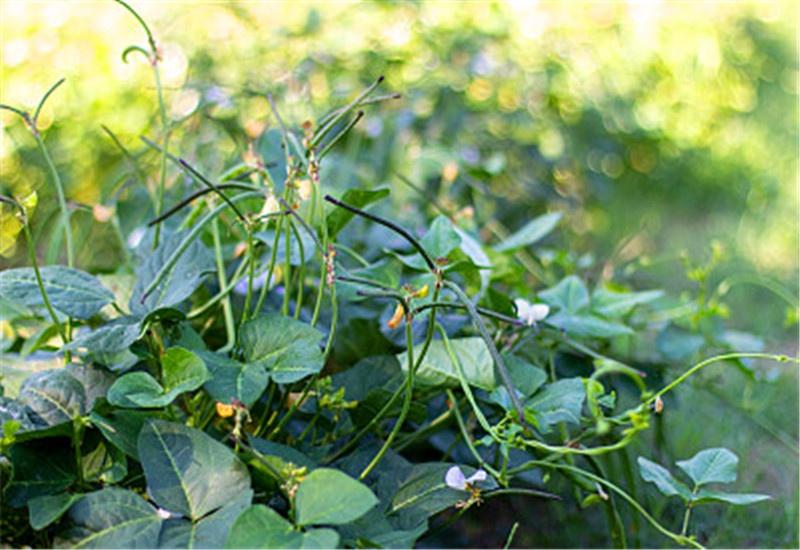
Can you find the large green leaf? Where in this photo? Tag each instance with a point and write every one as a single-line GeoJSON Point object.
{"type": "Point", "coordinates": [584, 324]}
{"type": "Point", "coordinates": [560, 401]}
{"type": "Point", "coordinates": [339, 217]}
{"type": "Point", "coordinates": [114, 518]}
{"type": "Point", "coordinates": [437, 369]}
{"type": "Point", "coordinates": [209, 532]}
{"type": "Point", "coordinates": [231, 379]}
{"type": "Point", "coordinates": [39, 468]}
{"type": "Point", "coordinates": [121, 427]}
{"type": "Point", "coordinates": [54, 395]}
{"type": "Point", "coordinates": [187, 471]}
{"type": "Point", "coordinates": [262, 527]}
{"type": "Point", "coordinates": [44, 510]}
{"type": "Point", "coordinates": [182, 371]}
{"type": "Point", "coordinates": [181, 281]}
{"type": "Point", "coordinates": [668, 485]}
{"type": "Point", "coordinates": [570, 294]}
{"type": "Point", "coordinates": [286, 348]}
{"type": "Point", "coordinates": [741, 499]}
{"type": "Point", "coordinates": [330, 497]}
{"type": "Point", "coordinates": [716, 465]}
{"type": "Point", "coordinates": [107, 342]}
{"type": "Point", "coordinates": [533, 231]}
{"type": "Point", "coordinates": [71, 291]}
{"type": "Point", "coordinates": [609, 303]}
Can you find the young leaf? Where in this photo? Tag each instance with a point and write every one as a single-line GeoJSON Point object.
{"type": "Point", "coordinates": [231, 379]}
{"type": "Point", "coordinates": [339, 217]}
{"type": "Point", "coordinates": [668, 485]}
{"type": "Point", "coordinates": [262, 527]}
{"type": "Point", "coordinates": [560, 401]}
{"type": "Point", "coordinates": [438, 370]}
{"type": "Point", "coordinates": [570, 295]}
{"type": "Point", "coordinates": [71, 291]}
{"type": "Point", "coordinates": [533, 231]}
{"type": "Point", "coordinates": [716, 465]}
{"type": "Point", "coordinates": [182, 371]}
{"type": "Point", "coordinates": [115, 518]}
{"type": "Point", "coordinates": [286, 348]}
{"type": "Point", "coordinates": [330, 497]}
{"type": "Point", "coordinates": [742, 499]}
{"type": "Point", "coordinates": [187, 471]}
{"type": "Point", "coordinates": [609, 303]}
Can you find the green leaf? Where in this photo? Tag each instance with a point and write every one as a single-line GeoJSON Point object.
{"type": "Point", "coordinates": [587, 325]}
{"type": "Point", "coordinates": [527, 378]}
{"type": "Point", "coordinates": [533, 231]}
{"type": "Point", "coordinates": [54, 395]}
{"type": "Point", "coordinates": [209, 532]}
{"type": "Point", "coordinates": [182, 371]}
{"type": "Point", "coordinates": [262, 527]}
{"type": "Point", "coordinates": [232, 379]}
{"type": "Point", "coordinates": [741, 499]}
{"type": "Point", "coordinates": [716, 465]}
{"type": "Point", "coordinates": [122, 427]}
{"type": "Point", "coordinates": [286, 348]}
{"type": "Point", "coordinates": [339, 217]}
{"type": "Point", "coordinates": [438, 370]}
{"type": "Point", "coordinates": [114, 518]}
{"type": "Point", "coordinates": [182, 280]}
{"type": "Point", "coordinates": [44, 510]}
{"type": "Point", "coordinates": [187, 471]}
{"type": "Point", "coordinates": [330, 497]}
{"type": "Point", "coordinates": [105, 463]}
{"type": "Point", "coordinates": [677, 344]}
{"type": "Point", "coordinates": [39, 468]}
{"type": "Point", "coordinates": [425, 493]}
{"type": "Point", "coordinates": [441, 238]}
{"type": "Point", "coordinates": [570, 295]}
{"type": "Point", "coordinates": [668, 485]}
{"type": "Point", "coordinates": [560, 401]}
{"type": "Point", "coordinates": [609, 303]}
{"type": "Point", "coordinates": [281, 453]}
{"type": "Point", "coordinates": [71, 291]}
{"type": "Point", "coordinates": [105, 343]}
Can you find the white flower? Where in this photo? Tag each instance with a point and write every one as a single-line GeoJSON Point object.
{"type": "Point", "coordinates": [454, 478]}
{"type": "Point", "coordinates": [164, 514]}
{"type": "Point", "coordinates": [271, 206]}
{"type": "Point", "coordinates": [531, 313]}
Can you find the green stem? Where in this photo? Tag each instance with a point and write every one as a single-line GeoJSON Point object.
{"type": "Point", "coordinates": [227, 311]}
{"type": "Point", "coordinates": [165, 134]}
{"type": "Point", "coordinates": [251, 269]}
{"type": "Point", "coordinates": [406, 402]}
{"type": "Point", "coordinates": [465, 436]}
{"type": "Point", "coordinates": [271, 269]}
{"type": "Point", "coordinates": [62, 201]}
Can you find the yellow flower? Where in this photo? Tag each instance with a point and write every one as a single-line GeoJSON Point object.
{"type": "Point", "coordinates": [421, 293]}
{"type": "Point", "coordinates": [224, 410]}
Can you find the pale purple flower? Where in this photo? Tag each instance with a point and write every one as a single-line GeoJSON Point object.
{"type": "Point", "coordinates": [455, 479]}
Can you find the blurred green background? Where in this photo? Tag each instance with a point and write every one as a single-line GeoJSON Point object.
{"type": "Point", "coordinates": [663, 131]}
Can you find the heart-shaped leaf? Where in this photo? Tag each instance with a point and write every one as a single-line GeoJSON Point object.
{"type": "Point", "coordinates": [231, 379]}
{"type": "Point", "coordinates": [286, 348]}
{"type": "Point", "coordinates": [262, 527]}
{"type": "Point", "coordinates": [560, 401]}
{"type": "Point", "coordinates": [187, 471]}
{"type": "Point", "coordinates": [182, 371]}
{"type": "Point", "coordinates": [570, 294]}
{"type": "Point", "coordinates": [54, 395]}
{"type": "Point", "coordinates": [716, 465]}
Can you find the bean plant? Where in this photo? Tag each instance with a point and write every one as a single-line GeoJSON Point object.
{"type": "Point", "coordinates": [262, 382]}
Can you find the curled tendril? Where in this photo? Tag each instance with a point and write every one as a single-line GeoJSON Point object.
{"type": "Point", "coordinates": [134, 48]}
